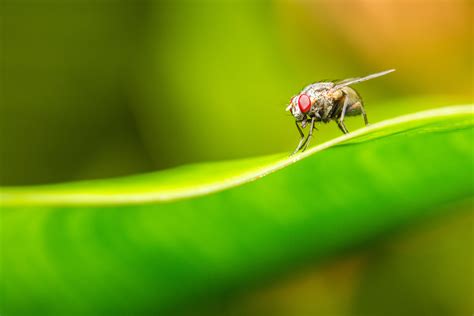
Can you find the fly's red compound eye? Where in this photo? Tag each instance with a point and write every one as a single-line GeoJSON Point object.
{"type": "Point", "coordinates": [304, 103]}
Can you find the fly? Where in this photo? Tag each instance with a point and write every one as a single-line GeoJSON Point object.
{"type": "Point", "coordinates": [325, 102]}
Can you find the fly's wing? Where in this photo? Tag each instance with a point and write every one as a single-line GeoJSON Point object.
{"type": "Point", "coordinates": [347, 82]}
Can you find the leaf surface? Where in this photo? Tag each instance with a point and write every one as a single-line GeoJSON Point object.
{"type": "Point", "coordinates": [153, 242]}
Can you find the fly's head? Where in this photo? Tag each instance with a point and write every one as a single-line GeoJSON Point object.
{"type": "Point", "coordinates": [300, 106]}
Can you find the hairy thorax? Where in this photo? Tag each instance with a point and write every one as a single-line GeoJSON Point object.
{"type": "Point", "coordinates": [325, 100]}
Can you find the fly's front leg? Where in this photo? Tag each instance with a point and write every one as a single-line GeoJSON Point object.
{"type": "Point", "coordinates": [301, 140]}
{"type": "Point", "coordinates": [310, 134]}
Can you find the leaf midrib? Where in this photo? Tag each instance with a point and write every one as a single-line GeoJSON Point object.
{"type": "Point", "coordinates": [104, 191]}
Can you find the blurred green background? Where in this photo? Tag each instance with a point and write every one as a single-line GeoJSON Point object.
{"type": "Point", "coordinates": [93, 89]}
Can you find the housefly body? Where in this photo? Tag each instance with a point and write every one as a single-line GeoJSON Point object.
{"type": "Point", "coordinates": [325, 102]}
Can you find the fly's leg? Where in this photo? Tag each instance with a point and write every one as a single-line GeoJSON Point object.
{"type": "Point", "coordinates": [356, 109]}
{"type": "Point", "coordinates": [301, 140]}
{"type": "Point", "coordinates": [366, 120]}
{"type": "Point", "coordinates": [340, 121]}
{"type": "Point", "coordinates": [362, 110]}
{"type": "Point", "coordinates": [310, 134]}
{"type": "Point", "coordinates": [341, 128]}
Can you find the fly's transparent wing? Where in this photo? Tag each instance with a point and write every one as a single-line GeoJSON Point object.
{"type": "Point", "coordinates": [347, 82]}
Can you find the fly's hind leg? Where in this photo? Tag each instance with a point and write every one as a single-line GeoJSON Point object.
{"type": "Point", "coordinates": [356, 109]}
{"type": "Point", "coordinates": [366, 120]}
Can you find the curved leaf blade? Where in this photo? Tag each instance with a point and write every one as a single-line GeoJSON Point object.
{"type": "Point", "coordinates": [206, 178]}
{"type": "Point", "coordinates": [133, 257]}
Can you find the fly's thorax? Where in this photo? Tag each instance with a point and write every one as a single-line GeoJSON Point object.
{"type": "Point", "coordinates": [319, 99]}
{"type": "Point", "coordinates": [323, 104]}
{"type": "Point", "coordinates": [310, 101]}
{"type": "Point", "coordinates": [335, 94]}
{"type": "Point", "coordinates": [318, 87]}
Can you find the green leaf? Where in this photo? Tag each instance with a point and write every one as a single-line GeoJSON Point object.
{"type": "Point", "coordinates": [157, 241]}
